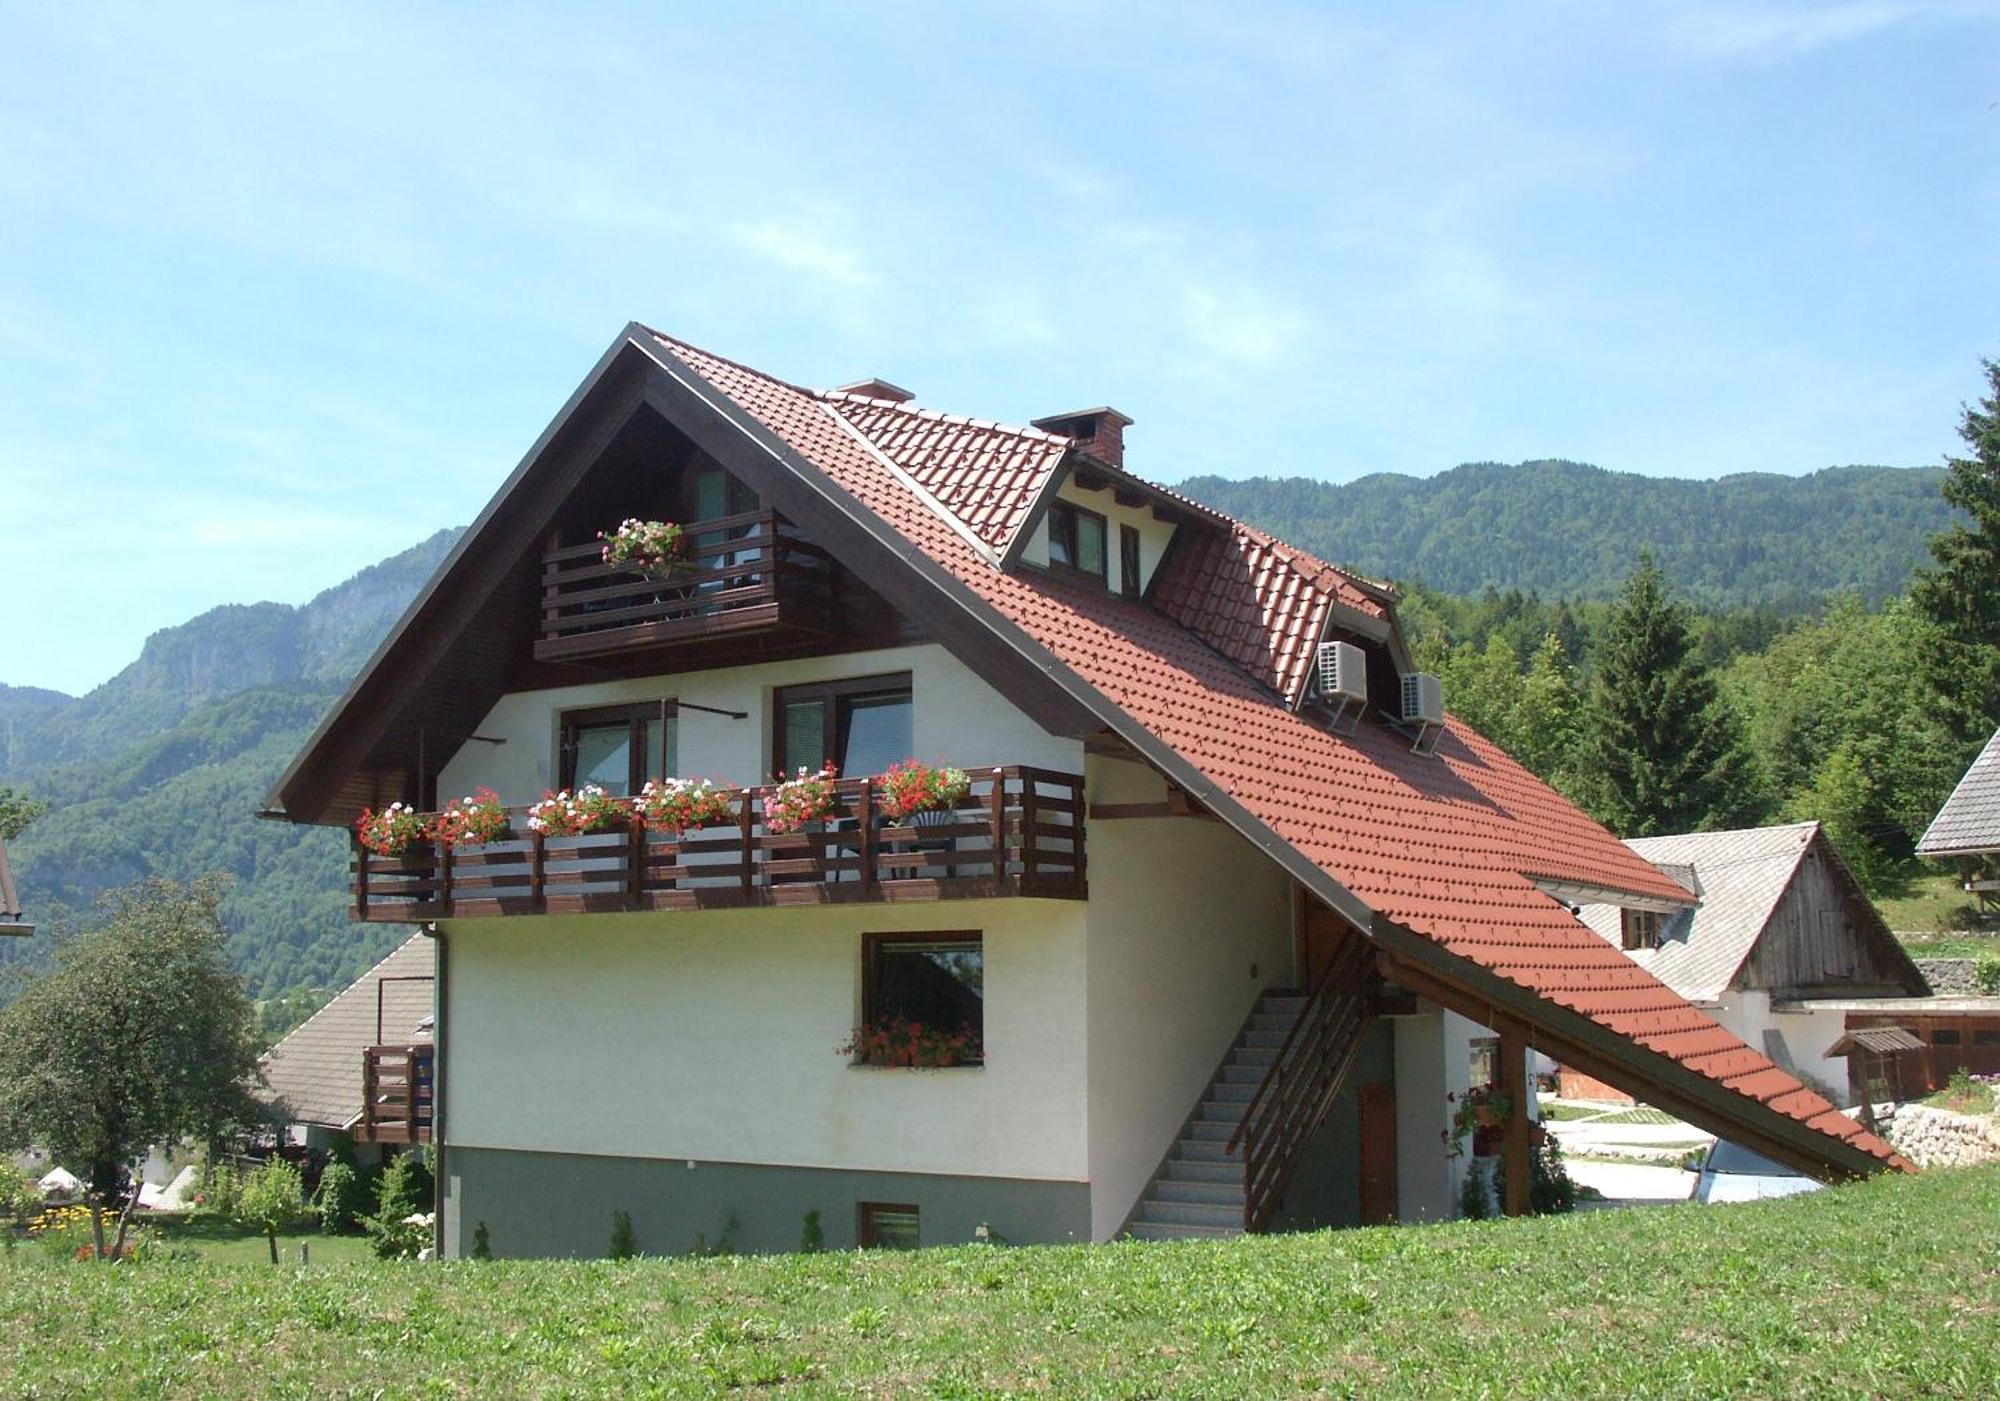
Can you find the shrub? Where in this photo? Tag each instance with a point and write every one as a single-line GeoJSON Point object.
{"type": "Point", "coordinates": [342, 1199]}
{"type": "Point", "coordinates": [1472, 1201]}
{"type": "Point", "coordinates": [274, 1197]}
{"type": "Point", "coordinates": [1986, 976]}
{"type": "Point", "coordinates": [401, 1225]}
{"type": "Point", "coordinates": [624, 1245]}
{"type": "Point", "coordinates": [18, 1196]}
{"type": "Point", "coordinates": [1551, 1190]}
{"type": "Point", "coordinates": [407, 1238]}
{"type": "Point", "coordinates": [812, 1236]}
{"type": "Point", "coordinates": [482, 1243]}
{"type": "Point", "coordinates": [219, 1191]}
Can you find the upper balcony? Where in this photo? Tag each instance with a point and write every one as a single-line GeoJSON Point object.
{"type": "Point", "coordinates": [747, 573]}
{"type": "Point", "coordinates": [1017, 832]}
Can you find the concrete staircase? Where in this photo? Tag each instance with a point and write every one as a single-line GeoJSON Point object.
{"type": "Point", "coordinates": [1198, 1192]}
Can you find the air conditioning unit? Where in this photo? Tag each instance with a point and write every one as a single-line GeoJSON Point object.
{"type": "Point", "coordinates": [1423, 708]}
{"type": "Point", "coordinates": [1341, 670]}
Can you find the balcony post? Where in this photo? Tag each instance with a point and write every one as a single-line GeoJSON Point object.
{"type": "Point", "coordinates": [747, 827]}
{"type": "Point", "coordinates": [635, 846]}
{"type": "Point", "coordinates": [865, 813]}
{"type": "Point", "coordinates": [443, 850]}
{"type": "Point", "coordinates": [1030, 838]}
{"type": "Point", "coordinates": [538, 885]}
{"type": "Point", "coordinates": [997, 801]}
{"type": "Point", "coordinates": [360, 875]}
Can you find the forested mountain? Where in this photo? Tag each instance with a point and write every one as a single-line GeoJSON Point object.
{"type": "Point", "coordinates": [161, 771]}
{"type": "Point", "coordinates": [1564, 529]}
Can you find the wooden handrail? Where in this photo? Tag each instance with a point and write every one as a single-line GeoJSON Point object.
{"type": "Point", "coordinates": [1293, 1098]}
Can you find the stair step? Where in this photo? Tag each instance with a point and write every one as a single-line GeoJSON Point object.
{"type": "Point", "coordinates": [1250, 1075]}
{"type": "Point", "coordinates": [1229, 1194]}
{"type": "Point", "coordinates": [1262, 1057]}
{"type": "Point", "coordinates": [1281, 1006]}
{"type": "Point", "coordinates": [1206, 1150]}
{"type": "Point", "coordinates": [1163, 1230]}
{"type": "Point", "coordinates": [1233, 1091]}
{"type": "Point", "coordinates": [1255, 1038]}
{"type": "Point", "coordinates": [1216, 1131]}
{"type": "Point", "coordinates": [1181, 1169]}
{"type": "Point", "coordinates": [1191, 1213]}
{"type": "Point", "coordinates": [1220, 1111]}
{"type": "Point", "coordinates": [1279, 1022]}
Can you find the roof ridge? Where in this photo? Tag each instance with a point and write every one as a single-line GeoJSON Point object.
{"type": "Point", "coordinates": [325, 1006]}
{"type": "Point", "coordinates": [676, 344]}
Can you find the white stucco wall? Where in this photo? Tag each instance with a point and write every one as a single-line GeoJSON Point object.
{"type": "Point", "coordinates": [956, 718]}
{"type": "Point", "coordinates": [1187, 925]}
{"type": "Point", "coordinates": [1807, 1036]}
{"type": "Point", "coordinates": [713, 1035]}
{"type": "Point", "coordinates": [1153, 534]}
{"type": "Point", "coordinates": [1426, 1185]}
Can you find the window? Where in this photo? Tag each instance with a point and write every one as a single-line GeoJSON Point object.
{"type": "Point", "coordinates": [1076, 540]}
{"type": "Point", "coordinates": [1484, 1057]}
{"type": "Point", "coordinates": [1639, 929]}
{"type": "Point", "coordinates": [1128, 560]}
{"type": "Point", "coordinates": [935, 980]}
{"type": "Point", "coordinates": [860, 727]}
{"type": "Point", "coordinates": [1944, 1036]}
{"type": "Point", "coordinates": [1986, 1038]}
{"type": "Point", "coordinates": [887, 1226]}
{"type": "Point", "coordinates": [618, 747]}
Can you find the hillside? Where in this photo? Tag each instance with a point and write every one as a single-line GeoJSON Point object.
{"type": "Point", "coordinates": [161, 771]}
{"type": "Point", "coordinates": [1564, 529]}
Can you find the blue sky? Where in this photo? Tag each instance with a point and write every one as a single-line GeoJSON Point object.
{"type": "Point", "coordinates": [284, 289]}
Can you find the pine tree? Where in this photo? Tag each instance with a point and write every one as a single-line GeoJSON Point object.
{"type": "Point", "coordinates": [1662, 753]}
{"type": "Point", "coordinates": [1962, 594]}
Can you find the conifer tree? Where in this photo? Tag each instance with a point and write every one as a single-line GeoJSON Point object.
{"type": "Point", "coordinates": [1962, 594]}
{"type": "Point", "coordinates": [1662, 753]}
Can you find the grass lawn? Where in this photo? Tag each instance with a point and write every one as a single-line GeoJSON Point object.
{"type": "Point", "coordinates": [227, 1244]}
{"type": "Point", "coordinates": [1937, 910]}
{"type": "Point", "coordinates": [1888, 1288]}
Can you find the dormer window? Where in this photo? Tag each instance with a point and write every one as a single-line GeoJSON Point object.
{"type": "Point", "coordinates": [1639, 929]}
{"type": "Point", "coordinates": [1077, 540]}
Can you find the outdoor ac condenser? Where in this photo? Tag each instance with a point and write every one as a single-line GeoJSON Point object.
{"type": "Point", "coordinates": [1343, 681]}
{"type": "Point", "coordinates": [1423, 707]}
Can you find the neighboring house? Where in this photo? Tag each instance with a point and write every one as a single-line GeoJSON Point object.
{"type": "Point", "coordinates": [1782, 924]}
{"type": "Point", "coordinates": [13, 923]}
{"type": "Point", "coordinates": [349, 1069]}
{"type": "Point", "coordinates": [1967, 827]}
{"type": "Point", "coordinates": [1218, 922]}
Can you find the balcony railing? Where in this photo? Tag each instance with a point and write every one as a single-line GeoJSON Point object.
{"type": "Point", "coordinates": [398, 1085]}
{"type": "Point", "coordinates": [1018, 832]}
{"type": "Point", "coordinates": [745, 573]}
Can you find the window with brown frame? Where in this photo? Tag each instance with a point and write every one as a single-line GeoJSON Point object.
{"type": "Point", "coordinates": [1128, 560]}
{"type": "Point", "coordinates": [618, 747]}
{"type": "Point", "coordinates": [887, 1226]}
{"type": "Point", "coordinates": [1077, 540]}
{"type": "Point", "coordinates": [860, 726]}
{"type": "Point", "coordinates": [934, 980]}
{"type": "Point", "coordinates": [1639, 929]}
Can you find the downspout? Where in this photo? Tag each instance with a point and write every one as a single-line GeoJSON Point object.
{"type": "Point", "coordinates": [438, 1001]}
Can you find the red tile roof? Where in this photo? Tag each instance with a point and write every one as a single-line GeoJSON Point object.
{"type": "Point", "coordinates": [1444, 845]}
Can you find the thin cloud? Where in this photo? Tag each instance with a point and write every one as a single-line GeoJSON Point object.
{"type": "Point", "coordinates": [793, 246]}
{"type": "Point", "coordinates": [1714, 32]}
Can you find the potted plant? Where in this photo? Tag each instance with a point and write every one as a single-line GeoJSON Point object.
{"type": "Point", "coordinates": [396, 830]}
{"type": "Point", "coordinates": [914, 792]}
{"type": "Point", "coordinates": [677, 804]}
{"type": "Point", "coordinates": [657, 549]}
{"type": "Point", "coordinates": [800, 803]}
{"type": "Point", "coordinates": [896, 1041]}
{"type": "Point", "coordinates": [589, 809]}
{"type": "Point", "coordinates": [473, 820]}
{"type": "Point", "coordinates": [1479, 1113]}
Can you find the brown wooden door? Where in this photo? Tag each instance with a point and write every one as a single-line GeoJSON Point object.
{"type": "Point", "coordinates": [1378, 1154]}
{"type": "Point", "coordinates": [1321, 933]}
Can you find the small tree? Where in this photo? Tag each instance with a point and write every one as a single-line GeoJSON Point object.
{"type": "Point", "coordinates": [139, 1035]}
{"type": "Point", "coordinates": [17, 810]}
{"type": "Point", "coordinates": [274, 1197]}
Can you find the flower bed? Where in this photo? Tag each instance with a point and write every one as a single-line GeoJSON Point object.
{"type": "Point", "coordinates": [897, 1042]}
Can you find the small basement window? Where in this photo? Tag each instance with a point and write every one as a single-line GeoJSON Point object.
{"type": "Point", "coordinates": [923, 1000]}
{"type": "Point", "coordinates": [1945, 1036]}
{"type": "Point", "coordinates": [887, 1226]}
{"type": "Point", "coordinates": [1077, 540]}
{"type": "Point", "coordinates": [1639, 929]}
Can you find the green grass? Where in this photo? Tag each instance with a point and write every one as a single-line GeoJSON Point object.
{"type": "Point", "coordinates": [1941, 914]}
{"type": "Point", "coordinates": [227, 1244]}
{"type": "Point", "coordinates": [1889, 1288]}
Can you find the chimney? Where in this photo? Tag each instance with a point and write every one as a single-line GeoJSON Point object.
{"type": "Point", "coordinates": [877, 389]}
{"type": "Point", "coordinates": [1099, 432]}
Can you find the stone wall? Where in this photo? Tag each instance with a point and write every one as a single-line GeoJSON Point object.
{"type": "Point", "coordinates": [1938, 1138]}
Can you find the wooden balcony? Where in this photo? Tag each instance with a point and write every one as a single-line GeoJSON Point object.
{"type": "Point", "coordinates": [754, 574]}
{"type": "Point", "coordinates": [1019, 832]}
{"type": "Point", "coordinates": [398, 1094]}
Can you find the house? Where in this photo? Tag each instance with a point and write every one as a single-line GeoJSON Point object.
{"type": "Point", "coordinates": [348, 1070]}
{"type": "Point", "coordinates": [1967, 827]}
{"type": "Point", "coordinates": [1204, 946]}
{"type": "Point", "coordinates": [13, 923]}
{"type": "Point", "coordinates": [1782, 924]}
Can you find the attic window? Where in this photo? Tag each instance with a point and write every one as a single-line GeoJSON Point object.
{"type": "Point", "coordinates": [1077, 540]}
{"type": "Point", "coordinates": [1639, 929]}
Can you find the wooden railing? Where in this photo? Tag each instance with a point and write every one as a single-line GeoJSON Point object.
{"type": "Point", "coordinates": [1019, 831]}
{"type": "Point", "coordinates": [398, 1094]}
{"type": "Point", "coordinates": [1299, 1088]}
{"type": "Point", "coordinates": [748, 572]}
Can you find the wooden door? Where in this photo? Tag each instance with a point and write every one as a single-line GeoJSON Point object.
{"type": "Point", "coordinates": [1320, 935]}
{"type": "Point", "coordinates": [1378, 1154]}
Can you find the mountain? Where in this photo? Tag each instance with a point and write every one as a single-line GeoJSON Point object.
{"type": "Point", "coordinates": [162, 769]}
{"type": "Point", "coordinates": [1565, 529]}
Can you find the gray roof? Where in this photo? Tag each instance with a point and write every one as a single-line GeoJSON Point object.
{"type": "Point", "coordinates": [11, 919]}
{"type": "Point", "coordinates": [1742, 875]}
{"type": "Point", "coordinates": [316, 1071]}
{"type": "Point", "coordinates": [1969, 821]}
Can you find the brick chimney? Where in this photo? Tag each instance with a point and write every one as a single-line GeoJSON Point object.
{"type": "Point", "coordinates": [877, 389]}
{"type": "Point", "coordinates": [1099, 432]}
